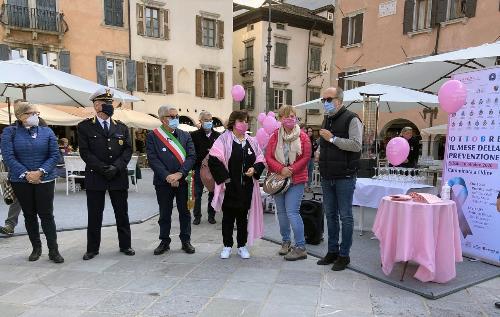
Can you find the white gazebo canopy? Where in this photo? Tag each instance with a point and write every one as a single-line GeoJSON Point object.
{"type": "Point", "coordinates": [51, 115]}
{"type": "Point", "coordinates": [22, 79]}
{"type": "Point", "coordinates": [435, 130]}
{"type": "Point", "coordinates": [429, 73]}
{"type": "Point", "coordinates": [392, 98]}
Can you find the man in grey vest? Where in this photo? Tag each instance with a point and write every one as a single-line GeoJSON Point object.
{"type": "Point", "coordinates": [340, 152]}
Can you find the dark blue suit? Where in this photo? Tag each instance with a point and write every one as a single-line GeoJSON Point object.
{"type": "Point", "coordinates": [163, 162]}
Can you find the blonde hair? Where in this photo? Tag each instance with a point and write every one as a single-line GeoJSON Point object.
{"type": "Point", "coordinates": [21, 107]}
{"type": "Point", "coordinates": [286, 111]}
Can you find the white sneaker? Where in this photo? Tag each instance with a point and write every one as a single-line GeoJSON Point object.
{"type": "Point", "coordinates": [243, 252]}
{"type": "Point", "coordinates": [226, 253]}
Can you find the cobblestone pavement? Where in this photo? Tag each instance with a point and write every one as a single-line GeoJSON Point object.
{"type": "Point", "coordinates": [177, 284]}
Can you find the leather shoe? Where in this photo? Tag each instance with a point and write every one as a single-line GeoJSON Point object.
{"type": "Point", "coordinates": [162, 248]}
{"type": "Point", "coordinates": [128, 251]}
{"type": "Point", "coordinates": [55, 256]}
{"type": "Point", "coordinates": [90, 255]}
{"type": "Point", "coordinates": [328, 259]}
{"type": "Point", "coordinates": [211, 220]}
{"type": "Point", "coordinates": [196, 221]}
{"type": "Point", "coordinates": [187, 247]}
{"type": "Point", "coordinates": [341, 263]}
{"type": "Point", "coordinates": [35, 254]}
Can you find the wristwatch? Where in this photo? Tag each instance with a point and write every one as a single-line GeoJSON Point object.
{"type": "Point", "coordinates": [331, 140]}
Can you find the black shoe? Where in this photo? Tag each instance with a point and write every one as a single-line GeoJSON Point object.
{"type": "Point", "coordinates": [341, 263]}
{"type": "Point", "coordinates": [196, 221]}
{"type": "Point", "coordinates": [497, 304]}
{"type": "Point", "coordinates": [187, 247]}
{"type": "Point", "coordinates": [128, 251]}
{"type": "Point", "coordinates": [162, 248]}
{"type": "Point", "coordinates": [328, 259]}
{"type": "Point", "coordinates": [55, 256]}
{"type": "Point", "coordinates": [8, 230]}
{"type": "Point", "coordinates": [35, 254]}
{"type": "Point", "coordinates": [211, 220]}
{"type": "Point", "coordinates": [90, 255]}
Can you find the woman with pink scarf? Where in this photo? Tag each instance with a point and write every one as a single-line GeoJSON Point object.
{"type": "Point", "coordinates": [236, 163]}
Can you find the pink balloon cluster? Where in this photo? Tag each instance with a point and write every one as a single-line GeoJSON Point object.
{"type": "Point", "coordinates": [397, 151]}
{"type": "Point", "coordinates": [268, 124]}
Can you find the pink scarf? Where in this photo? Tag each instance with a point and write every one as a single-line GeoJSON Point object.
{"type": "Point", "coordinates": [222, 149]}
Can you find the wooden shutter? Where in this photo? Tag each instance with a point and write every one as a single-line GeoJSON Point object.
{"type": "Point", "coordinates": [108, 12]}
{"type": "Point", "coordinates": [341, 81]}
{"type": "Point", "coordinates": [131, 75]}
{"type": "Point", "coordinates": [434, 11]}
{"type": "Point", "coordinates": [252, 103]}
{"type": "Point", "coordinates": [38, 57]}
{"type": "Point", "coordinates": [140, 18]}
{"type": "Point", "coordinates": [442, 7]}
{"type": "Point", "coordinates": [345, 32]}
{"type": "Point", "coordinates": [199, 83]}
{"type": "Point", "coordinates": [220, 34]}
{"type": "Point", "coordinates": [271, 99]}
{"type": "Point", "coordinates": [31, 54]}
{"type": "Point", "coordinates": [4, 52]}
{"type": "Point", "coordinates": [408, 16]}
{"type": "Point", "coordinates": [169, 79]}
{"type": "Point", "coordinates": [141, 76]}
{"type": "Point", "coordinates": [289, 97]}
{"type": "Point", "coordinates": [198, 31]}
{"type": "Point", "coordinates": [358, 37]}
{"type": "Point", "coordinates": [220, 83]}
{"type": "Point", "coordinates": [164, 30]}
{"type": "Point", "coordinates": [65, 62]}
{"type": "Point", "coordinates": [102, 76]}
{"type": "Point", "coordinates": [470, 8]}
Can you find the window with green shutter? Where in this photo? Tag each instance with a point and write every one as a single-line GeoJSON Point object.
{"type": "Point", "coordinates": [315, 58]}
{"type": "Point", "coordinates": [280, 54]}
{"type": "Point", "coordinates": [113, 12]}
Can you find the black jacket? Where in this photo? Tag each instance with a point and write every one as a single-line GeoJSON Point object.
{"type": "Point", "coordinates": [98, 150]}
{"type": "Point", "coordinates": [203, 144]}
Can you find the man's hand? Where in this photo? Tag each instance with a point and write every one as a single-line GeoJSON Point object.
{"type": "Point", "coordinates": [498, 204]}
{"type": "Point", "coordinates": [172, 178]}
{"type": "Point", "coordinates": [110, 172]}
{"type": "Point", "coordinates": [325, 134]}
{"type": "Point", "coordinates": [250, 172]}
{"type": "Point", "coordinates": [286, 172]}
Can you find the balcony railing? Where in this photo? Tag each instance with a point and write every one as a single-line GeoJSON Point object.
{"type": "Point", "coordinates": [33, 19]}
{"type": "Point", "coordinates": [246, 65]}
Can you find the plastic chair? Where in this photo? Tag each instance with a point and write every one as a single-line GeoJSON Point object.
{"type": "Point", "coordinates": [131, 169]}
{"type": "Point", "coordinates": [73, 164]}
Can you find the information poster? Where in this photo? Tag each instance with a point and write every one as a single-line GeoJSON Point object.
{"type": "Point", "coordinates": [472, 164]}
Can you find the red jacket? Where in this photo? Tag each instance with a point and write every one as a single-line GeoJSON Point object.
{"type": "Point", "coordinates": [299, 167]}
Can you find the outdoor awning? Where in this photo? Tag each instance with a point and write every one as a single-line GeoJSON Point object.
{"type": "Point", "coordinates": [436, 130]}
{"type": "Point", "coordinates": [51, 115]}
{"type": "Point", "coordinates": [392, 98]}
{"type": "Point", "coordinates": [429, 73]}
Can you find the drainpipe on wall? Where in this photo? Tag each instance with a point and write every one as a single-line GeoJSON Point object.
{"type": "Point", "coordinates": [307, 65]}
{"type": "Point", "coordinates": [132, 130]}
{"type": "Point", "coordinates": [433, 113]}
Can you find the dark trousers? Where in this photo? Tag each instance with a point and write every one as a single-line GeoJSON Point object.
{"type": "Point", "coordinates": [165, 196]}
{"type": "Point", "coordinates": [38, 200]}
{"type": "Point", "coordinates": [229, 215]}
{"type": "Point", "coordinates": [198, 190]}
{"type": "Point", "coordinates": [95, 208]}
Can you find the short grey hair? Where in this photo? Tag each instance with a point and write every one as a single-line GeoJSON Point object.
{"type": "Point", "coordinates": [22, 107]}
{"type": "Point", "coordinates": [204, 113]}
{"type": "Point", "coordinates": [164, 110]}
{"type": "Point", "coordinates": [406, 129]}
{"type": "Point", "coordinates": [340, 94]}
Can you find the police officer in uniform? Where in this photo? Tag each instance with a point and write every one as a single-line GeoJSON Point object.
{"type": "Point", "coordinates": [105, 147]}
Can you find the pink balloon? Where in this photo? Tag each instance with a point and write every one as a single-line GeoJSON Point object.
{"type": "Point", "coordinates": [269, 125]}
{"type": "Point", "coordinates": [238, 93]}
{"type": "Point", "coordinates": [278, 125]}
{"type": "Point", "coordinates": [397, 151]}
{"type": "Point", "coordinates": [261, 117]}
{"type": "Point", "coordinates": [271, 114]}
{"type": "Point", "coordinates": [452, 96]}
{"type": "Point", "coordinates": [262, 137]}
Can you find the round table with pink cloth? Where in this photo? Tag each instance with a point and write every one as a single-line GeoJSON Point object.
{"type": "Point", "coordinates": [427, 234]}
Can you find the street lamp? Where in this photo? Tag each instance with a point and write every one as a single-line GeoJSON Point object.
{"type": "Point", "coordinates": [268, 60]}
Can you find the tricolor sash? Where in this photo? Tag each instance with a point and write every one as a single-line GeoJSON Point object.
{"type": "Point", "coordinates": [171, 142]}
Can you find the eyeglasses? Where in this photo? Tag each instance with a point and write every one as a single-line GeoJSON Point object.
{"type": "Point", "coordinates": [172, 117]}
{"type": "Point", "coordinates": [31, 113]}
{"type": "Point", "coordinates": [329, 99]}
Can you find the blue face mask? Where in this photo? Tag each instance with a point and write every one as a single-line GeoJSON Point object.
{"type": "Point", "coordinates": [208, 125]}
{"type": "Point", "coordinates": [173, 123]}
{"type": "Point", "coordinates": [329, 107]}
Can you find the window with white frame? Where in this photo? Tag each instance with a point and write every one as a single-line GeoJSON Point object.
{"type": "Point", "coordinates": [279, 98]}
{"type": "Point", "coordinates": [208, 32]}
{"type": "Point", "coordinates": [18, 53]}
{"type": "Point", "coordinates": [315, 58]}
{"type": "Point", "coordinates": [456, 9]}
{"type": "Point", "coordinates": [49, 59]}
{"type": "Point", "coordinates": [355, 29]}
{"type": "Point", "coordinates": [154, 78]}
{"type": "Point", "coordinates": [314, 93]}
{"type": "Point", "coordinates": [422, 15]}
{"type": "Point", "coordinates": [115, 70]}
{"type": "Point", "coordinates": [209, 84]}
{"type": "Point", "coordinates": [249, 95]}
{"type": "Point", "coordinates": [152, 22]}
{"type": "Point", "coordinates": [351, 84]}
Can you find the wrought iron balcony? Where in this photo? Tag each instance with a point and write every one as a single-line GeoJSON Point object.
{"type": "Point", "coordinates": [33, 19]}
{"type": "Point", "coordinates": [246, 65]}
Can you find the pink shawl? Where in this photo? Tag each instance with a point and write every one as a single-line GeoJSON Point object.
{"type": "Point", "coordinates": [222, 149]}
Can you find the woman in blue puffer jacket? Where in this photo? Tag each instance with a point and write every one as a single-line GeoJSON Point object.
{"type": "Point", "coordinates": [31, 153]}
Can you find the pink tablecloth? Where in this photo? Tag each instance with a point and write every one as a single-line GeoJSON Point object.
{"type": "Point", "coordinates": [427, 234]}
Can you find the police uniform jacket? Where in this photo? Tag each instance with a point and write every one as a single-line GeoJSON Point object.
{"type": "Point", "coordinates": [99, 150]}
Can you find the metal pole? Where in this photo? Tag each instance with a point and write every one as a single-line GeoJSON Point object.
{"type": "Point", "coordinates": [268, 60]}
{"type": "Point", "coordinates": [8, 105]}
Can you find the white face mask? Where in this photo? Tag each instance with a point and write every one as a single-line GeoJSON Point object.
{"type": "Point", "coordinates": [32, 121]}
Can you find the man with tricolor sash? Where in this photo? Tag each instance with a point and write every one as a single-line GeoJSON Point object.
{"type": "Point", "coordinates": [171, 155]}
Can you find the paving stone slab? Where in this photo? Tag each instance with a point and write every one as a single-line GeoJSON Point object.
{"type": "Point", "coordinates": [77, 299]}
{"type": "Point", "coordinates": [177, 305]}
{"type": "Point", "coordinates": [272, 310]}
{"type": "Point", "coordinates": [30, 294]}
{"type": "Point", "coordinates": [249, 291]}
{"type": "Point", "coordinates": [296, 277]}
{"type": "Point", "coordinates": [124, 303]}
{"type": "Point", "coordinates": [223, 307]}
{"type": "Point", "coordinates": [283, 294]}
{"type": "Point", "coordinates": [198, 287]}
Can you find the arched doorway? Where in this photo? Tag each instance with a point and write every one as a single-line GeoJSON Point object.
{"type": "Point", "coordinates": [183, 84]}
{"type": "Point", "coordinates": [217, 122]}
{"type": "Point", "coordinates": [393, 129]}
{"type": "Point", "coordinates": [186, 120]}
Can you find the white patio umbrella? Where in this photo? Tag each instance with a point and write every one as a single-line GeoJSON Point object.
{"type": "Point", "coordinates": [435, 130]}
{"type": "Point", "coordinates": [51, 115]}
{"type": "Point", "coordinates": [40, 84]}
{"type": "Point", "coordinates": [392, 99]}
{"type": "Point", "coordinates": [429, 73]}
